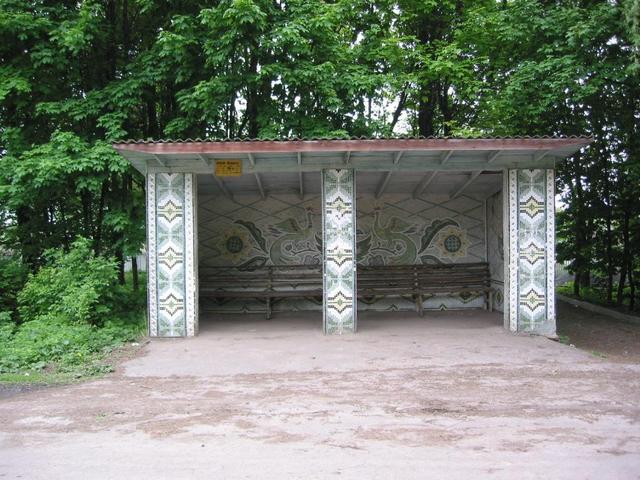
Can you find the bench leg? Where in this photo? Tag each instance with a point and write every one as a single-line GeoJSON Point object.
{"type": "Point", "coordinates": [419, 307]}
{"type": "Point", "coordinates": [268, 308]}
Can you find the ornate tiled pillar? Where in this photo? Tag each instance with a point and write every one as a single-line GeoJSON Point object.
{"type": "Point", "coordinates": [339, 265]}
{"type": "Point", "coordinates": [171, 240]}
{"type": "Point", "coordinates": [530, 245]}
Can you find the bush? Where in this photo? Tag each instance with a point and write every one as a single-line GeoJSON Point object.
{"type": "Point", "coordinates": [5, 318]}
{"type": "Point", "coordinates": [72, 312]}
{"type": "Point", "coordinates": [74, 287]}
{"type": "Point", "coordinates": [47, 340]}
{"type": "Point", "coordinates": [13, 275]}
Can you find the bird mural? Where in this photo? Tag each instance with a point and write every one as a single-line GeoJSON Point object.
{"type": "Point", "coordinates": [393, 240]}
{"type": "Point", "coordinates": [294, 242]}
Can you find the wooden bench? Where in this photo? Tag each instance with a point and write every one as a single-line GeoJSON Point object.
{"type": "Point", "coordinates": [420, 280]}
{"type": "Point", "coordinates": [268, 282]}
{"type": "Point", "coordinates": [299, 281]}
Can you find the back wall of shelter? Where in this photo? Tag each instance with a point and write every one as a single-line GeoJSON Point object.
{"type": "Point", "coordinates": [394, 229]}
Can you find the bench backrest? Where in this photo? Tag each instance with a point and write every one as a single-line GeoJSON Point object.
{"type": "Point", "coordinates": [384, 279]}
{"type": "Point", "coordinates": [273, 277]}
{"type": "Point", "coordinates": [424, 278]}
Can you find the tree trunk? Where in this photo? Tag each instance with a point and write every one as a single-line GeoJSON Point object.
{"type": "Point", "coordinates": [27, 245]}
{"type": "Point", "coordinates": [625, 257]}
{"type": "Point", "coordinates": [97, 238]}
{"type": "Point", "coordinates": [152, 115]}
{"type": "Point", "coordinates": [632, 286]}
{"type": "Point", "coordinates": [134, 273]}
{"type": "Point", "coordinates": [252, 98]}
{"type": "Point", "coordinates": [401, 101]}
{"type": "Point", "coordinates": [445, 109]}
{"type": "Point", "coordinates": [85, 198]}
{"type": "Point", "coordinates": [580, 227]}
{"type": "Point", "coordinates": [610, 267]}
{"type": "Point", "coordinates": [427, 109]}
{"type": "Point", "coordinates": [120, 260]}
{"type": "Point", "coordinates": [112, 45]}
{"type": "Point", "coordinates": [126, 37]}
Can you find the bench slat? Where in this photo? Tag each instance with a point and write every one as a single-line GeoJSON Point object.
{"type": "Point", "coordinates": [288, 281]}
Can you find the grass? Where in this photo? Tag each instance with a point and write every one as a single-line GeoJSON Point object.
{"type": "Point", "coordinates": [595, 353]}
{"type": "Point", "coordinates": [40, 378]}
{"type": "Point", "coordinates": [74, 353]}
{"type": "Point", "coordinates": [93, 366]}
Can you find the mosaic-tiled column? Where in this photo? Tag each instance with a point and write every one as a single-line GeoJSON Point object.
{"type": "Point", "coordinates": [339, 236]}
{"type": "Point", "coordinates": [171, 236]}
{"type": "Point", "coordinates": [529, 283]}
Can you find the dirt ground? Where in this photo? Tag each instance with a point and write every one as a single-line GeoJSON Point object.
{"type": "Point", "coordinates": [449, 396]}
{"type": "Point", "coordinates": [604, 336]}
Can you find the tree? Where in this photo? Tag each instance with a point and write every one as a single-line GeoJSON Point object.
{"type": "Point", "coordinates": [76, 76]}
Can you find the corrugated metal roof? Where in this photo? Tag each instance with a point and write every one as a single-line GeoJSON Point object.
{"type": "Point", "coordinates": [364, 153]}
{"type": "Point", "coordinates": [311, 139]}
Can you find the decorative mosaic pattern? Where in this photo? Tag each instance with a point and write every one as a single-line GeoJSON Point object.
{"type": "Point", "coordinates": [396, 229]}
{"type": "Point", "coordinates": [152, 292]}
{"type": "Point", "coordinates": [172, 297]}
{"type": "Point", "coordinates": [551, 251]}
{"type": "Point", "coordinates": [190, 233]}
{"type": "Point", "coordinates": [402, 230]}
{"type": "Point", "coordinates": [531, 212]}
{"type": "Point", "coordinates": [339, 241]}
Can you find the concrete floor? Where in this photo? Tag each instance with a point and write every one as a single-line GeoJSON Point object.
{"type": "Point", "coordinates": [451, 396]}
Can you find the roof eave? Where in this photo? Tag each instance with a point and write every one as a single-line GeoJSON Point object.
{"type": "Point", "coordinates": [352, 145]}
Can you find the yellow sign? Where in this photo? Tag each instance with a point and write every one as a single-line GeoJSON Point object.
{"type": "Point", "coordinates": [228, 168]}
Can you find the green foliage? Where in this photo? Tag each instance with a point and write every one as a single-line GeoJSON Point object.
{"type": "Point", "coordinates": [72, 313]}
{"type": "Point", "coordinates": [596, 294]}
{"type": "Point", "coordinates": [632, 16]}
{"type": "Point", "coordinates": [76, 76]}
{"type": "Point", "coordinates": [5, 318]}
{"type": "Point", "coordinates": [52, 342]}
{"type": "Point", "coordinates": [13, 275]}
{"type": "Point", "coordinates": [74, 287]}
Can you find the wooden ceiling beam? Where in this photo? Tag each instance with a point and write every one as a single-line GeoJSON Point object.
{"type": "Point", "coordinates": [223, 187]}
{"type": "Point", "coordinates": [205, 160]}
{"type": "Point", "coordinates": [493, 156]}
{"type": "Point", "coordinates": [383, 184]}
{"type": "Point", "coordinates": [424, 183]}
{"type": "Point", "coordinates": [540, 155]}
{"type": "Point", "coordinates": [161, 162]}
{"type": "Point", "coordinates": [252, 161]}
{"type": "Point", "coordinates": [263, 194]}
{"type": "Point", "coordinates": [472, 178]}
{"type": "Point", "coordinates": [385, 181]}
{"type": "Point", "coordinates": [446, 155]}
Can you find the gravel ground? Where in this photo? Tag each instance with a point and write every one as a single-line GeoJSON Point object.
{"type": "Point", "coordinates": [449, 396]}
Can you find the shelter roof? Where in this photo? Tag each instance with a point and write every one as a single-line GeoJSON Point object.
{"type": "Point", "coordinates": [389, 164]}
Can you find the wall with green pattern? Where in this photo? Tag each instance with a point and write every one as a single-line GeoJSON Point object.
{"type": "Point", "coordinates": [395, 229]}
